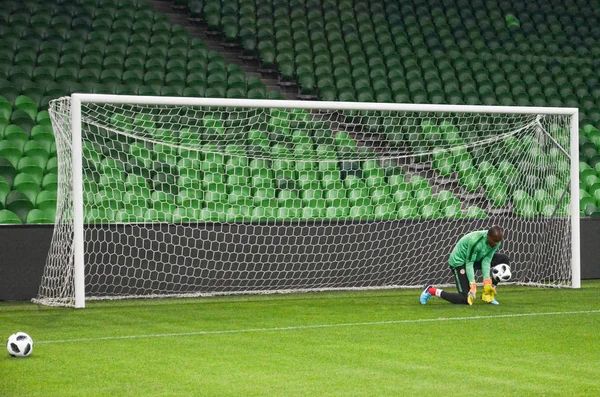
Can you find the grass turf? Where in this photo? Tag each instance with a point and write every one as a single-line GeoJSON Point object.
{"type": "Point", "coordinates": [372, 343]}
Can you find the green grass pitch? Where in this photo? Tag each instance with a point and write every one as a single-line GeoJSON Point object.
{"type": "Point", "coordinates": [538, 342]}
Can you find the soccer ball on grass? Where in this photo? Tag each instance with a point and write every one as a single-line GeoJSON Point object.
{"type": "Point", "coordinates": [19, 345]}
{"type": "Point", "coordinates": [501, 272]}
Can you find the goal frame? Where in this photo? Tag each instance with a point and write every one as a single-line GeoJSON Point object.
{"type": "Point", "coordinates": [77, 100]}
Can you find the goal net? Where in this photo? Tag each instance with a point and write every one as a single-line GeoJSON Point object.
{"type": "Point", "coordinates": [162, 197]}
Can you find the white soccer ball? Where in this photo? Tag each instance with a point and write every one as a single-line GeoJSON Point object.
{"type": "Point", "coordinates": [501, 272]}
{"type": "Point", "coordinates": [19, 345]}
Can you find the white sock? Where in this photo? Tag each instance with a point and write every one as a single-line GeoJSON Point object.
{"type": "Point", "coordinates": [438, 292]}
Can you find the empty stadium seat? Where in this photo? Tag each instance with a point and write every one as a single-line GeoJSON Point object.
{"type": "Point", "coordinates": [9, 217]}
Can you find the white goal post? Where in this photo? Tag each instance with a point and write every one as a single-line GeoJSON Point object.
{"type": "Point", "coordinates": [169, 196]}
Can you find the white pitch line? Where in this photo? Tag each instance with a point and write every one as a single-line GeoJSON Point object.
{"type": "Point", "coordinates": [316, 326]}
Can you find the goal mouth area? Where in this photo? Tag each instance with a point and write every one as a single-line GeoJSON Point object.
{"type": "Point", "coordinates": [53, 302]}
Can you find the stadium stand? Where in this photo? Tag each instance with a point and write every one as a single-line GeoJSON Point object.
{"type": "Point", "coordinates": [446, 51]}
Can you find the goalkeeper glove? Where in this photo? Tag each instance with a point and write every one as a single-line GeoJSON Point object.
{"type": "Point", "coordinates": [489, 292]}
{"type": "Point", "coordinates": [472, 293]}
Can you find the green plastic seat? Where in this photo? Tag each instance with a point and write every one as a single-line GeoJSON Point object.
{"type": "Point", "coordinates": [287, 198]}
{"type": "Point", "coordinates": [51, 166]}
{"type": "Point", "coordinates": [50, 182]}
{"type": "Point", "coordinates": [359, 196]}
{"type": "Point", "coordinates": [353, 182]}
{"type": "Point", "coordinates": [591, 210]}
{"type": "Point", "coordinates": [313, 212]}
{"type": "Point", "coordinates": [265, 197]}
{"type": "Point", "coordinates": [443, 164]}
{"type": "Point", "coordinates": [264, 214]}
{"type": "Point", "coordinates": [541, 198]}
{"type": "Point", "coordinates": [20, 204]}
{"type": "Point", "coordinates": [5, 189]}
{"type": "Point", "coordinates": [27, 184]}
{"type": "Point", "coordinates": [312, 198]}
{"type": "Point", "coordinates": [24, 119]}
{"type": "Point", "coordinates": [109, 199]}
{"type": "Point", "coordinates": [526, 210]}
{"type": "Point", "coordinates": [8, 217]}
{"type": "Point", "coordinates": [33, 167]}
{"type": "Point", "coordinates": [5, 109]}
{"type": "Point", "coordinates": [11, 151]}
{"type": "Point", "coordinates": [240, 195]}
{"type": "Point", "coordinates": [43, 135]}
{"type": "Point", "coordinates": [112, 168]}
{"type": "Point", "coordinates": [361, 212]}
{"type": "Point", "coordinates": [475, 212]}
{"type": "Point", "coordinates": [154, 215]}
{"type": "Point", "coordinates": [9, 91]}
{"type": "Point", "coordinates": [37, 150]}
{"type": "Point", "coordinates": [423, 193]}
{"type": "Point", "coordinates": [385, 211]}
{"type": "Point", "coordinates": [187, 215]}
{"type": "Point", "coordinates": [498, 195]}
{"type": "Point", "coordinates": [137, 193]}
{"type": "Point", "coordinates": [37, 216]}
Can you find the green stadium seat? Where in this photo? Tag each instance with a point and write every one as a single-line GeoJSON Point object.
{"type": "Point", "coordinates": [353, 182]}
{"type": "Point", "coordinates": [361, 212]}
{"type": "Point", "coordinates": [313, 212]}
{"type": "Point", "coordinates": [187, 214]}
{"type": "Point", "coordinates": [9, 91]}
{"type": "Point", "coordinates": [27, 184]}
{"type": "Point", "coordinates": [429, 207]}
{"type": "Point", "coordinates": [498, 194]}
{"type": "Point", "coordinates": [33, 167]}
{"type": "Point", "coordinates": [51, 166]}
{"type": "Point", "coordinates": [9, 217]}
{"type": "Point", "coordinates": [452, 209]}
{"type": "Point", "coordinates": [265, 197]}
{"type": "Point", "coordinates": [19, 204]}
{"type": "Point", "coordinates": [422, 193]}
{"type": "Point", "coordinates": [3, 124]}
{"type": "Point", "coordinates": [50, 182]}
{"type": "Point", "coordinates": [43, 135]}
{"type": "Point", "coordinates": [109, 199]}
{"type": "Point", "coordinates": [46, 201]}
{"type": "Point", "coordinates": [526, 210]}
{"type": "Point", "coordinates": [475, 212]}
{"type": "Point", "coordinates": [385, 211]}
{"type": "Point", "coordinates": [359, 196]}
{"type": "Point", "coordinates": [11, 151]}
{"type": "Point", "coordinates": [157, 215]}
{"type": "Point", "coordinates": [5, 189]}
{"type": "Point", "coordinates": [264, 214]}
{"type": "Point", "coordinates": [312, 198]}
{"type": "Point", "coordinates": [240, 195]}
{"type": "Point", "coordinates": [5, 109]}
{"type": "Point", "coordinates": [36, 216]}
{"type": "Point", "coordinates": [24, 119]}
{"type": "Point", "coordinates": [37, 150]}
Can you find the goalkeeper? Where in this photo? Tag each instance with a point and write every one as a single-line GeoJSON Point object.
{"type": "Point", "coordinates": [474, 251]}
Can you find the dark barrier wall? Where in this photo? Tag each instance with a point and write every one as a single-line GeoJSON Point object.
{"type": "Point", "coordinates": [22, 259]}
{"type": "Point", "coordinates": [24, 250]}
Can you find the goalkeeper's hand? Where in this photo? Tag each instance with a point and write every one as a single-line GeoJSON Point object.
{"type": "Point", "coordinates": [489, 292]}
{"type": "Point", "coordinates": [472, 293]}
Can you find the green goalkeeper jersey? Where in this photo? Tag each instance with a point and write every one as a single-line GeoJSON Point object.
{"type": "Point", "coordinates": [471, 248]}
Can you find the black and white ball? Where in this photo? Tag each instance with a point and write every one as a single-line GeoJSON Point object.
{"type": "Point", "coordinates": [19, 345]}
{"type": "Point", "coordinates": [501, 272]}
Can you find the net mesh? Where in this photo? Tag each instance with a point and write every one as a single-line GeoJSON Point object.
{"type": "Point", "coordinates": [204, 200]}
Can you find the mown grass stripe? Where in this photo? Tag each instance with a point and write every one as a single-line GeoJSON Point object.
{"type": "Point", "coordinates": [317, 326]}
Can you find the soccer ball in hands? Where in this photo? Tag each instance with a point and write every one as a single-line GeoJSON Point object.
{"type": "Point", "coordinates": [19, 345]}
{"type": "Point", "coordinates": [501, 272]}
